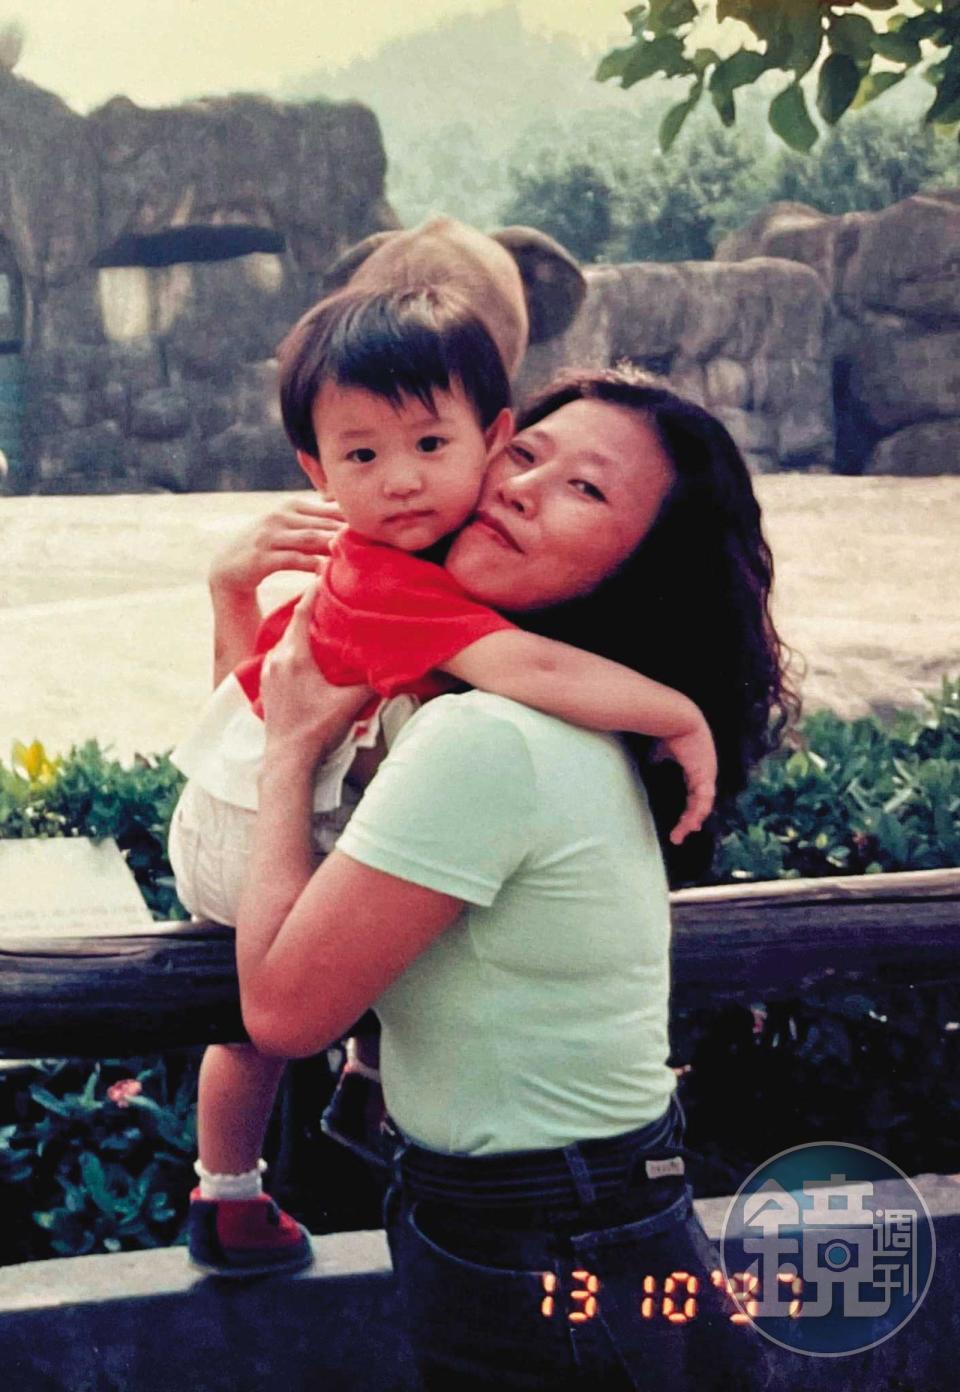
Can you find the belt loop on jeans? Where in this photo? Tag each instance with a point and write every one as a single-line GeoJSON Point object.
{"type": "Point", "coordinates": [581, 1174]}
{"type": "Point", "coordinates": [391, 1134]}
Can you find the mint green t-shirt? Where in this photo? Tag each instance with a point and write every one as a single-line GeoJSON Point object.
{"type": "Point", "coordinates": [539, 1017]}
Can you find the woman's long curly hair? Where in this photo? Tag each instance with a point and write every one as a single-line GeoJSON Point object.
{"type": "Point", "coordinates": [691, 606]}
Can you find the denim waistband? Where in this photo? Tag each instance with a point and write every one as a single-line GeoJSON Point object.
{"type": "Point", "coordinates": [584, 1172]}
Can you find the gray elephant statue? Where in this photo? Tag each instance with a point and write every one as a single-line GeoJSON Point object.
{"type": "Point", "coordinates": [521, 283]}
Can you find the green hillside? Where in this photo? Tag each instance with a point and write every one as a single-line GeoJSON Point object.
{"type": "Point", "coordinates": [491, 122]}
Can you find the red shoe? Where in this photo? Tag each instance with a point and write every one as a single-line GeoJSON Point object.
{"type": "Point", "coordinates": [245, 1237]}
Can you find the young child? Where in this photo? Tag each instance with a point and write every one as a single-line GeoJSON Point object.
{"type": "Point", "coordinates": [395, 403]}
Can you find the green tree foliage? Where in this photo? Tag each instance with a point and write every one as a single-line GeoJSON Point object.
{"type": "Point", "coordinates": [659, 209]}
{"type": "Point", "coordinates": [867, 164]}
{"type": "Point", "coordinates": [572, 201]}
{"type": "Point", "coordinates": [862, 47]}
{"type": "Point", "coordinates": [677, 207]}
{"type": "Point", "coordinates": [677, 210]}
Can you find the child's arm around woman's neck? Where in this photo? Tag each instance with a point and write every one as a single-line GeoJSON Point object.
{"type": "Point", "coordinates": [592, 691]}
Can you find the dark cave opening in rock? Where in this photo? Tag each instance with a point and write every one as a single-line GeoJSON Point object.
{"type": "Point", "coordinates": [11, 363]}
{"type": "Point", "coordinates": [11, 302]}
{"type": "Point", "coordinates": [196, 242]}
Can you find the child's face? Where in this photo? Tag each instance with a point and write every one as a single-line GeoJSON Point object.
{"type": "Point", "coordinates": [405, 475]}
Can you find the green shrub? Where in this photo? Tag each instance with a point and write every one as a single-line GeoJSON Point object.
{"type": "Point", "coordinates": [98, 1156]}
{"type": "Point", "coordinates": [80, 1172]}
{"type": "Point", "coordinates": [89, 794]}
{"type": "Point", "coordinates": [83, 1172]}
{"type": "Point", "coordinates": [847, 797]}
{"type": "Point", "coordinates": [855, 797]}
{"type": "Point", "coordinates": [867, 1063]}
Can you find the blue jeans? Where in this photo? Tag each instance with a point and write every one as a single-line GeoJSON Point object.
{"type": "Point", "coordinates": [539, 1288]}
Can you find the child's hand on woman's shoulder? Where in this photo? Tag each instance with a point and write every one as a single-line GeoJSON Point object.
{"type": "Point", "coordinates": [696, 753]}
{"type": "Point", "coordinates": [295, 536]}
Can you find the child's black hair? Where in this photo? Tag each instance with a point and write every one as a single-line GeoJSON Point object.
{"type": "Point", "coordinates": [403, 343]}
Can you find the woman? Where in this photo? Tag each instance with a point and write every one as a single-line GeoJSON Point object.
{"type": "Point", "coordinates": [500, 895]}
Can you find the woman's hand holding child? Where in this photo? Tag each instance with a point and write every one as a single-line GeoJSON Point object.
{"type": "Point", "coordinates": [305, 715]}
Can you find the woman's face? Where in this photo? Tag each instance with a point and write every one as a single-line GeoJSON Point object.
{"type": "Point", "coordinates": [562, 506]}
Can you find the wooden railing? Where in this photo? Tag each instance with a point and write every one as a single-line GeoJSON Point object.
{"type": "Point", "coordinates": [175, 983]}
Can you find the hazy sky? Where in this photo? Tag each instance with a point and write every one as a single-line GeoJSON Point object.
{"type": "Point", "coordinates": [160, 51]}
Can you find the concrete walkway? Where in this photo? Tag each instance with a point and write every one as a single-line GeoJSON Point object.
{"type": "Point", "coordinates": [105, 631]}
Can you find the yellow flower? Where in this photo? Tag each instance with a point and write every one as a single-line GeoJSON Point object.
{"type": "Point", "coordinates": [33, 762]}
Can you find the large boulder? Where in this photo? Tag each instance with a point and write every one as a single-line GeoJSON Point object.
{"type": "Point", "coordinates": [635, 312]}
{"type": "Point", "coordinates": [49, 183]}
{"type": "Point", "coordinates": [162, 253]}
{"type": "Point", "coordinates": [906, 263]}
{"type": "Point", "coordinates": [899, 378]}
{"type": "Point", "coordinates": [919, 451]}
{"type": "Point", "coordinates": [796, 232]}
{"type": "Point", "coordinates": [792, 231]}
{"type": "Point", "coordinates": [313, 170]}
{"type": "Point", "coordinates": [750, 341]}
{"type": "Point", "coordinates": [894, 278]}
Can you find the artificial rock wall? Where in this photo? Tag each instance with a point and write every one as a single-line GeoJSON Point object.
{"type": "Point", "coordinates": [152, 260]}
{"type": "Point", "coordinates": [821, 342]}
{"type": "Point", "coordinates": [893, 278]}
{"type": "Point", "coordinates": [750, 341]}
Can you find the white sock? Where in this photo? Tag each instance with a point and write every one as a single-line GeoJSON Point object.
{"type": "Point", "coordinates": [230, 1186]}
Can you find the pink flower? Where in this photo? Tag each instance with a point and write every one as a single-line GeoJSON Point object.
{"type": "Point", "coordinates": [122, 1091]}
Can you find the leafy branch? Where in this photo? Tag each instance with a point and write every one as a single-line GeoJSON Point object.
{"type": "Point", "coordinates": [861, 55]}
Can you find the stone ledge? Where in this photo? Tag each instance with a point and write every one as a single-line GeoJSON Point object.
{"type": "Point", "coordinates": [145, 1321]}
{"type": "Point", "coordinates": [140, 1321]}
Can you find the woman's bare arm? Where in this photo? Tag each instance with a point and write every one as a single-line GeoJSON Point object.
{"type": "Point", "coordinates": [293, 537]}
{"type": "Point", "coordinates": [314, 951]}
